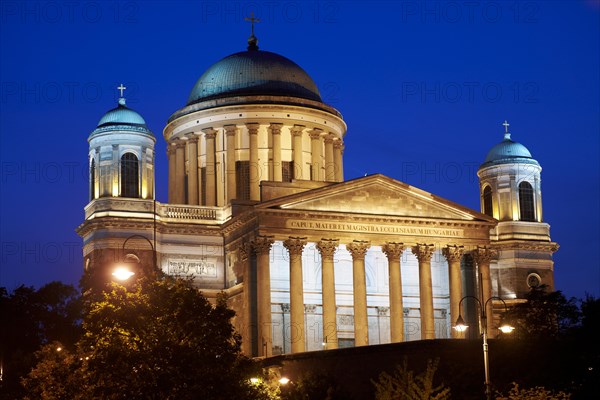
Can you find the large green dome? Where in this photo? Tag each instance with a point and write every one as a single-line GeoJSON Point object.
{"type": "Point", "coordinates": [122, 118]}
{"type": "Point", "coordinates": [251, 73]}
{"type": "Point", "coordinates": [507, 152]}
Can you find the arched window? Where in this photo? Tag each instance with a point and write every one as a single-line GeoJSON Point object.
{"type": "Point", "coordinates": [92, 179]}
{"type": "Point", "coordinates": [130, 179]}
{"type": "Point", "coordinates": [526, 202]}
{"type": "Point", "coordinates": [488, 208]}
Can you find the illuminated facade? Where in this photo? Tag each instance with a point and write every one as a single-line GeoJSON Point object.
{"type": "Point", "coordinates": [258, 208]}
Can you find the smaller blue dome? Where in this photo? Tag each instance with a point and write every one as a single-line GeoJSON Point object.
{"type": "Point", "coordinates": [507, 152]}
{"type": "Point", "coordinates": [122, 118]}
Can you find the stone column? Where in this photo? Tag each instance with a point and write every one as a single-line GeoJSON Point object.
{"type": "Point", "coordinates": [230, 132]}
{"type": "Point", "coordinates": [192, 145]}
{"type": "Point", "coordinates": [424, 253]}
{"type": "Point", "coordinates": [262, 246]}
{"type": "Point", "coordinates": [247, 332]}
{"type": "Point", "coordinates": [327, 248]}
{"type": "Point", "coordinates": [358, 249]}
{"type": "Point", "coordinates": [316, 156]}
{"type": "Point", "coordinates": [338, 150]}
{"type": "Point", "coordinates": [277, 167]}
{"type": "Point", "coordinates": [180, 172]}
{"type": "Point", "coordinates": [329, 158]}
{"type": "Point", "coordinates": [454, 254]}
{"type": "Point", "coordinates": [483, 256]}
{"type": "Point", "coordinates": [171, 157]}
{"type": "Point", "coordinates": [295, 245]}
{"type": "Point", "coordinates": [296, 132]}
{"type": "Point", "coordinates": [255, 170]}
{"type": "Point", "coordinates": [393, 251]}
{"type": "Point", "coordinates": [211, 195]}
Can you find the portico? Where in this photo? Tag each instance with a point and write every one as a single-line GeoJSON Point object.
{"type": "Point", "coordinates": [341, 249]}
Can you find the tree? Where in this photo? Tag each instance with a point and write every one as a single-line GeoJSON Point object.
{"type": "Point", "coordinates": [29, 319]}
{"type": "Point", "coordinates": [158, 339]}
{"type": "Point", "coordinates": [403, 384]}
{"type": "Point", "coordinates": [536, 393]}
{"type": "Point", "coordinates": [543, 315]}
{"type": "Point", "coordinates": [313, 386]}
{"type": "Point", "coordinates": [56, 376]}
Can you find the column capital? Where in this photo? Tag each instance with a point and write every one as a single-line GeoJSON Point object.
{"type": "Point", "coordinates": [285, 307]}
{"type": "Point", "coordinates": [179, 143]}
{"type": "Point", "coordinates": [295, 245]}
{"type": "Point", "coordinates": [315, 133]}
{"type": "Point", "coordinates": [244, 251]}
{"type": "Point", "coordinates": [262, 244]}
{"type": "Point", "coordinates": [483, 255]}
{"type": "Point", "coordinates": [453, 253]}
{"type": "Point", "coordinates": [423, 252]}
{"type": "Point", "coordinates": [358, 248]}
{"type": "Point", "coordinates": [329, 138]}
{"type": "Point", "coordinates": [297, 130]}
{"type": "Point", "coordinates": [230, 129]}
{"type": "Point", "coordinates": [209, 133]}
{"type": "Point", "coordinates": [383, 311]}
{"type": "Point", "coordinates": [170, 149]}
{"type": "Point", "coordinates": [253, 127]}
{"type": "Point", "coordinates": [339, 144]}
{"type": "Point", "coordinates": [393, 250]}
{"type": "Point", "coordinates": [192, 138]}
{"type": "Point", "coordinates": [275, 128]}
{"type": "Point", "coordinates": [327, 247]}
{"type": "Point", "coordinates": [310, 308]}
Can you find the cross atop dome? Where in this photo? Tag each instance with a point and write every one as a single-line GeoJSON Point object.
{"type": "Point", "coordinates": [121, 89]}
{"type": "Point", "coordinates": [506, 133]}
{"type": "Point", "coordinates": [252, 40]}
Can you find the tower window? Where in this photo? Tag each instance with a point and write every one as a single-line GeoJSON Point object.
{"type": "Point", "coordinates": [488, 208]}
{"type": "Point", "coordinates": [242, 179]}
{"type": "Point", "coordinates": [92, 179]}
{"type": "Point", "coordinates": [130, 175]}
{"type": "Point", "coordinates": [526, 202]}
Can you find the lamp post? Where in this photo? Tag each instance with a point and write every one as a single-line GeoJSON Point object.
{"type": "Point", "coordinates": [122, 272]}
{"type": "Point", "coordinates": [461, 327]}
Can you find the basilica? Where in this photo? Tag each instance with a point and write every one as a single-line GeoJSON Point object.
{"type": "Point", "coordinates": [258, 210]}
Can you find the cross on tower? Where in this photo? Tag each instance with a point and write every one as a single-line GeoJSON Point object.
{"type": "Point", "coordinates": [506, 125]}
{"type": "Point", "coordinates": [121, 89]}
{"type": "Point", "coordinates": [252, 20]}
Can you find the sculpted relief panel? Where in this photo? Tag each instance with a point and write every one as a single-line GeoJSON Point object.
{"type": "Point", "coordinates": [191, 267]}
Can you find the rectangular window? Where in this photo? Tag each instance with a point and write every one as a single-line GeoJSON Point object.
{"type": "Point", "coordinates": [242, 179]}
{"type": "Point", "coordinates": [203, 188]}
{"type": "Point", "coordinates": [287, 171]}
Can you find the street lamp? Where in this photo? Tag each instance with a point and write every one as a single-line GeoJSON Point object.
{"type": "Point", "coordinates": [122, 272]}
{"type": "Point", "coordinates": [461, 327]}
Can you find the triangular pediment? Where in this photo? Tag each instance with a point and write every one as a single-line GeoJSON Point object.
{"type": "Point", "coordinates": [376, 195]}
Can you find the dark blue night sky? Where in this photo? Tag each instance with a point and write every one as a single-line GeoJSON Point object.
{"type": "Point", "coordinates": [423, 87]}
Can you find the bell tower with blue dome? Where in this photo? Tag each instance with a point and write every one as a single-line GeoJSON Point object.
{"type": "Point", "coordinates": [121, 155]}
{"type": "Point", "coordinates": [122, 202]}
{"type": "Point", "coordinates": [510, 191]}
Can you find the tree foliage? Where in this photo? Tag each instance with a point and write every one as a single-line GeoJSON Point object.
{"type": "Point", "coordinates": [313, 386]}
{"type": "Point", "coordinates": [30, 318]}
{"type": "Point", "coordinates": [544, 315]}
{"type": "Point", "coordinates": [404, 384]}
{"type": "Point", "coordinates": [535, 393]}
{"type": "Point", "coordinates": [159, 339]}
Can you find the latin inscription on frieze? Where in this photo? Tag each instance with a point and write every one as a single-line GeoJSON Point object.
{"type": "Point", "coordinates": [372, 228]}
{"type": "Point", "coordinates": [192, 267]}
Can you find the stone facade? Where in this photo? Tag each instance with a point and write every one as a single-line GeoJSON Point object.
{"type": "Point", "coordinates": [258, 209]}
